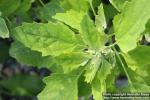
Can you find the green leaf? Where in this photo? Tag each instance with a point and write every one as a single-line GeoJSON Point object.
{"type": "Point", "coordinates": [130, 24]}
{"type": "Point", "coordinates": [119, 4]}
{"type": "Point", "coordinates": [110, 12]}
{"type": "Point", "coordinates": [71, 18]}
{"type": "Point", "coordinates": [144, 73]}
{"type": "Point", "coordinates": [98, 88]}
{"type": "Point", "coordinates": [23, 85]}
{"type": "Point", "coordinates": [99, 83]}
{"type": "Point", "coordinates": [141, 55]}
{"type": "Point", "coordinates": [29, 57]}
{"type": "Point", "coordinates": [101, 22]}
{"type": "Point", "coordinates": [50, 9]}
{"type": "Point", "coordinates": [138, 57]}
{"type": "Point", "coordinates": [104, 70]}
{"type": "Point", "coordinates": [92, 68]}
{"type": "Point", "coordinates": [24, 6]}
{"type": "Point", "coordinates": [90, 34]}
{"type": "Point", "coordinates": [147, 30]}
{"type": "Point", "coordinates": [72, 61]}
{"type": "Point", "coordinates": [84, 89]}
{"type": "Point", "coordinates": [96, 3]}
{"type": "Point", "coordinates": [138, 87]}
{"type": "Point", "coordinates": [111, 78]}
{"type": "Point", "coordinates": [60, 87]}
{"type": "Point", "coordinates": [140, 75]}
{"type": "Point", "coordinates": [4, 32]}
{"type": "Point", "coordinates": [50, 38]}
{"type": "Point", "coordinates": [7, 7]}
{"type": "Point", "coordinates": [77, 5]}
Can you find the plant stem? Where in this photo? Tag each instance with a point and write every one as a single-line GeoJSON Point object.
{"type": "Point", "coordinates": [9, 23]}
{"type": "Point", "coordinates": [112, 45]}
{"type": "Point", "coordinates": [92, 8]}
{"type": "Point", "coordinates": [123, 66]}
{"type": "Point", "coordinates": [41, 2]}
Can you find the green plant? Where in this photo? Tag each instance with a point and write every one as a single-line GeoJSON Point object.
{"type": "Point", "coordinates": [76, 41]}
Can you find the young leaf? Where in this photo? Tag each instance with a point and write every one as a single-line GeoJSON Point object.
{"type": "Point", "coordinates": [4, 32]}
{"type": "Point", "coordinates": [50, 39]}
{"type": "Point", "coordinates": [104, 70]}
{"type": "Point", "coordinates": [90, 34]}
{"type": "Point", "coordinates": [60, 87]}
{"type": "Point", "coordinates": [130, 24]}
{"type": "Point", "coordinates": [77, 5]}
{"type": "Point", "coordinates": [101, 22]}
{"type": "Point", "coordinates": [99, 83]}
{"type": "Point", "coordinates": [71, 18]}
{"type": "Point", "coordinates": [98, 87]}
{"type": "Point", "coordinates": [29, 57]}
{"type": "Point", "coordinates": [92, 68]}
{"type": "Point", "coordinates": [71, 61]}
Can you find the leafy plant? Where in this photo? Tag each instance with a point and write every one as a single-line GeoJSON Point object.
{"type": "Point", "coordinates": [88, 42]}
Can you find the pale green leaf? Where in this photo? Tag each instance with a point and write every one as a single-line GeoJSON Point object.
{"type": "Point", "coordinates": [50, 39]}
{"type": "Point", "coordinates": [71, 18]}
{"type": "Point", "coordinates": [4, 32]}
{"type": "Point", "coordinates": [130, 62]}
{"type": "Point", "coordinates": [99, 83]}
{"type": "Point", "coordinates": [60, 87]}
{"type": "Point", "coordinates": [104, 70]}
{"type": "Point", "coordinates": [90, 34]}
{"type": "Point", "coordinates": [100, 21]}
{"type": "Point", "coordinates": [130, 24]}
{"type": "Point", "coordinates": [92, 68]}
{"type": "Point", "coordinates": [77, 5]}
{"type": "Point", "coordinates": [71, 61]}
{"type": "Point", "coordinates": [103, 20]}
{"type": "Point", "coordinates": [29, 57]}
{"type": "Point", "coordinates": [98, 88]}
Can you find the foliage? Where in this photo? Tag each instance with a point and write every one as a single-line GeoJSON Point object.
{"type": "Point", "coordinates": [75, 39]}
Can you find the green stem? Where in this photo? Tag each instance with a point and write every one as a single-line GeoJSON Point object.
{"type": "Point", "coordinates": [92, 8]}
{"type": "Point", "coordinates": [123, 66]}
{"type": "Point", "coordinates": [41, 2]}
{"type": "Point", "coordinates": [112, 45]}
{"type": "Point", "coordinates": [110, 35]}
{"type": "Point", "coordinates": [9, 25]}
